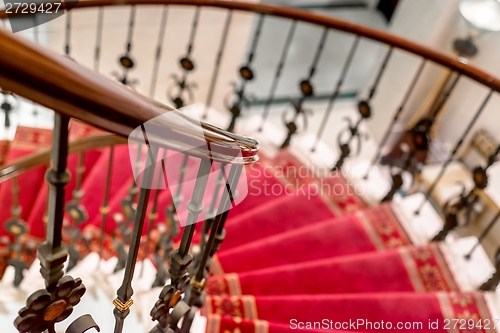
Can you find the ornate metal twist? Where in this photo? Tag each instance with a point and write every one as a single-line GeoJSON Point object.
{"type": "Point", "coordinates": [10, 104]}
{"type": "Point", "coordinates": [292, 124]}
{"type": "Point", "coordinates": [184, 89]}
{"type": "Point", "coordinates": [353, 134]}
{"type": "Point", "coordinates": [17, 228]}
{"type": "Point", "coordinates": [78, 215]}
{"type": "Point", "coordinates": [463, 204]}
{"type": "Point", "coordinates": [239, 98]}
{"type": "Point", "coordinates": [421, 143]}
{"type": "Point", "coordinates": [180, 259]}
{"type": "Point", "coordinates": [307, 90]}
{"type": "Point", "coordinates": [46, 307]}
{"type": "Point", "coordinates": [126, 61]}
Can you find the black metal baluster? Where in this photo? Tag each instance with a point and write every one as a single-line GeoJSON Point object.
{"type": "Point", "coordinates": [241, 99]}
{"type": "Point", "coordinates": [36, 39]}
{"type": "Point", "coordinates": [187, 66]}
{"type": "Point", "coordinates": [53, 253]}
{"type": "Point", "coordinates": [78, 214]}
{"type": "Point", "coordinates": [17, 228]}
{"type": "Point", "coordinates": [98, 39]}
{"type": "Point", "coordinates": [104, 209]}
{"type": "Point", "coordinates": [156, 65]}
{"type": "Point", "coordinates": [483, 235]}
{"type": "Point", "coordinates": [129, 211]}
{"type": "Point", "coordinates": [45, 307]}
{"type": "Point", "coordinates": [216, 237]}
{"type": "Point", "coordinates": [171, 212]}
{"type": "Point", "coordinates": [180, 259]}
{"type": "Point", "coordinates": [67, 37]}
{"type": "Point", "coordinates": [336, 92]}
{"type": "Point", "coordinates": [277, 74]}
{"type": "Point", "coordinates": [126, 62]}
{"type": "Point", "coordinates": [365, 112]}
{"type": "Point", "coordinates": [153, 214]}
{"type": "Point", "coordinates": [212, 212]}
{"type": "Point", "coordinates": [465, 202]}
{"type": "Point", "coordinates": [218, 60]}
{"type": "Point", "coordinates": [165, 244]}
{"type": "Point", "coordinates": [124, 301]}
{"type": "Point", "coordinates": [396, 117]}
{"type": "Point", "coordinates": [454, 152]}
{"type": "Point", "coordinates": [307, 90]}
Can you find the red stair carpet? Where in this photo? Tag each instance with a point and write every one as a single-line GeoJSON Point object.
{"type": "Point", "coordinates": [297, 256]}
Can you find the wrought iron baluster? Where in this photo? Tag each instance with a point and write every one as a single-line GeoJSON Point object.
{"type": "Point", "coordinates": [53, 253]}
{"type": "Point", "coordinates": [98, 39]}
{"type": "Point", "coordinates": [156, 65]}
{"type": "Point", "coordinates": [180, 260]}
{"type": "Point", "coordinates": [218, 60]}
{"type": "Point", "coordinates": [165, 244]}
{"type": "Point", "coordinates": [17, 228]}
{"type": "Point", "coordinates": [124, 301]}
{"type": "Point", "coordinates": [240, 98]}
{"type": "Point", "coordinates": [216, 237]}
{"type": "Point", "coordinates": [307, 90]}
{"type": "Point", "coordinates": [466, 202]}
{"type": "Point", "coordinates": [336, 92]}
{"type": "Point", "coordinates": [365, 112]}
{"type": "Point", "coordinates": [454, 152]}
{"type": "Point", "coordinates": [67, 37]}
{"type": "Point", "coordinates": [396, 116]}
{"type": "Point", "coordinates": [45, 307]}
{"type": "Point", "coordinates": [171, 212]}
{"type": "Point", "coordinates": [482, 236]}
{"type": "Point", "coordinates": [36, 39]}
{"type": "Point", "coordinates": [129, 210]}
{"type": "Point", "coordinates": [153, 214]}
{"type": "Point", "coordinates": [104, 209]}
{"type": "Point", "coordinates": [187, 66]}
{"type": "Point", "coordinates": [78, 214]}
{"type": "Point", "coordinates": [126, 61]}
{"type": "Point", "coordinates": [212, 212]}
{"type": "Point", "coordinates": [277, 74]}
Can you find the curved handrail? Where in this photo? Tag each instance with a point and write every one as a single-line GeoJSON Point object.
{"type": "Point", "coordinates": [438, 57]}
{"type": "Point", "coordinates": [42, 157]}
{"type": "Point", "coordinates": [59, 83]}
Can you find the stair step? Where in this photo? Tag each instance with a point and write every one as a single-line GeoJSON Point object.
{"type": "Point", "coordinates": [418, 269]}
{"type": "Point", "coordinates": [421, 312]}
{"type": "Point", "coordinates": [370, 229]}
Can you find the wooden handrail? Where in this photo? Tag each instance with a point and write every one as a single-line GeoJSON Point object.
{"type": "Point", "coordinates": [438, 57]}
{"type": "Point", "coordinates": [34, 160]}
{"type": "Point", "coordinates": [56, 82]}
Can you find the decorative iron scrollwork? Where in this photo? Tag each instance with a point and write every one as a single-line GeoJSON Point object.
{"type": "Point", "coordinates": [8, 106]}
{"type": "Point", "coordinates": [238, 99]}
{"type": "Point", "coordinates": [44, 309]}
{"type": "Point", "coordinates": [292, 125]}
{"type": "Point", "coordinates": [184, 89]}
{"type": "Point", "coordinates": [127, 64]}
{"type": "Point", "coordinates": [353, 133]}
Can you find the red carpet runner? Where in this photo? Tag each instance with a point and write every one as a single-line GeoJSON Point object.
{"type": "Point", "coordinates": [302, 252]}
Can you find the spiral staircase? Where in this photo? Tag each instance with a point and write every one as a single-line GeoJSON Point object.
{"type": "Point", "coordinates": [132, 216]}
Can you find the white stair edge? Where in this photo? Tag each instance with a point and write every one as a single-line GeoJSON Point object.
{"type": "Point", "coordinates": [492, 299]}
{"type": "Point", "coordinates": [420, 228]}
{"type": "Point", "coordinates": [469, 274]}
